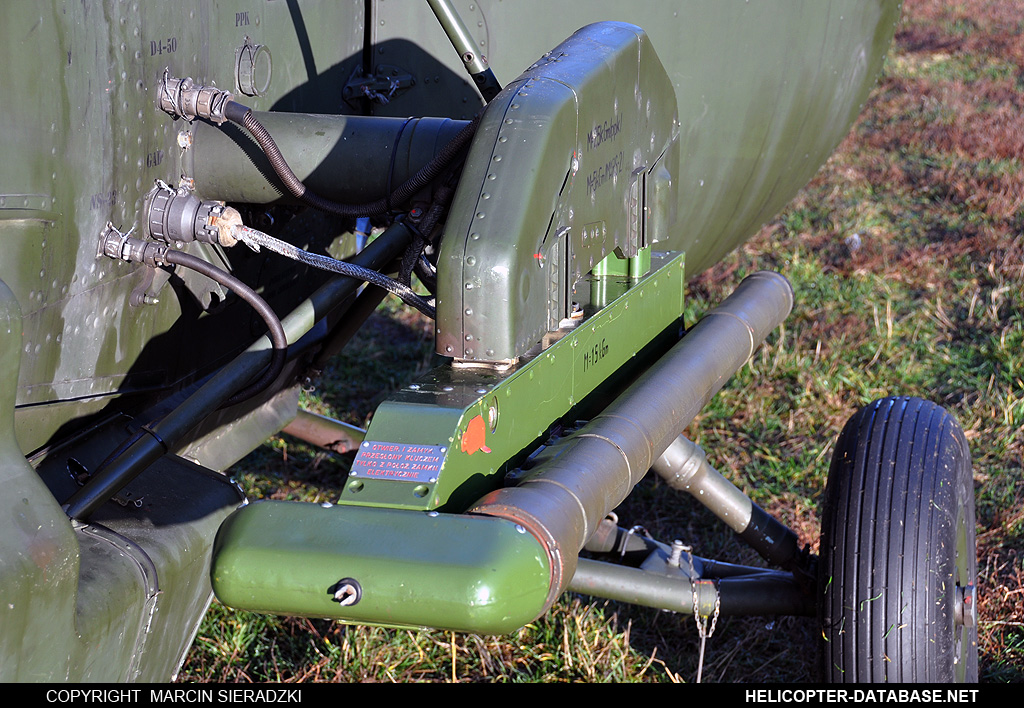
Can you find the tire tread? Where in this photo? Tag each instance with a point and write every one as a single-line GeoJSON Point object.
{"type": "Point", "coordinates": [899, 471]}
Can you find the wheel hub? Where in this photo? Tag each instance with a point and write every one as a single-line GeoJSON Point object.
{"type": "Point", "coordinates": [965, 609]}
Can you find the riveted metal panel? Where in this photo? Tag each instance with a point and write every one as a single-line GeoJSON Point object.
{"type": "Point", "coordinates": [85, 142]}
{"type": "Point", "coordinates": [765, 92]}
{"type": "Point", "coordinates": [556, 179]}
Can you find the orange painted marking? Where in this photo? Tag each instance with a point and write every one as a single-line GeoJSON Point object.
{"type": "Point", "coordinates": [475, 436]}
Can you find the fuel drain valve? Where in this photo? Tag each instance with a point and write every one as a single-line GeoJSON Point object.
{"type": "Point", "coordinates": [346, 592]}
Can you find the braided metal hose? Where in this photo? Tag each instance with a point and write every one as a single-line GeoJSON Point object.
{"type": "Point", "coordinates": [257, 239]}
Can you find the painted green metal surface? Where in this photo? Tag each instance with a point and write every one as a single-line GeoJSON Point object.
{"type": "Point", "coordinates": [228, 165]}
{"type": "Point", "coordinates": [38, 552]}
{"type": "Point", "coordinates": [575, 159]}
{"type": "Point", "coordinates": [413, 568]}
{"type": "Point", "coordinates": [84, 143]}
{"type": "Point", "coordinates": [764, 92]}
{"type": "Point", "coordinates": [635, 266]}
{"type": "Point", "coordinates": [115, 599]}
{"type": "Point", "coordinates": [145, 572]}
{"type": "Point", "coordinates": [478, 421]}
{"type": "Point", "coordinates": [762, 96]}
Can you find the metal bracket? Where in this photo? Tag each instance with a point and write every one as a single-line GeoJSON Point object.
{"type": "Point", "coordinates": [445, 436]}
{"type": "Point", "coordinates": [82, 474]}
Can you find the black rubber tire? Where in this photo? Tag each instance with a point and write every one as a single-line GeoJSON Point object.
{"type": "Point", "coordinates": [898, 549]}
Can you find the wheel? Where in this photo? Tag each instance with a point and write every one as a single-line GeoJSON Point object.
{"type": "Point", "coordinates": [898, 562]}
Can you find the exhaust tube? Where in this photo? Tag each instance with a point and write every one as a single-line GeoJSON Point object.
{"type": "Point", "coordinates": [565, 500]}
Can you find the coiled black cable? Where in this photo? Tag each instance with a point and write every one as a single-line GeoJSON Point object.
{"type": "Point", "coordinates": [278, 338]}
{"type": "Point", "coordinates": [242, 115]}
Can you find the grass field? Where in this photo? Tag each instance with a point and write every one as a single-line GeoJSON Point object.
{"type": "Point", "coordinates": [907, 256]}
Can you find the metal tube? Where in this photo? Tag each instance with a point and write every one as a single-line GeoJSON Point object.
{"type": "Point", "coordinates": [340, 333]}
{"type": "Point", "coordinates": [163, 436]}
{"type": "Point", "coordinates": [768, 593]}
{"type": "Point", "coordinates": [462, 41]}
{"type": "Point", "coordinates": [350, 159]}
{"type": "Point", "coordinates": [458, 35]}
{"type": "Point", "coordinates": [684, 466]}
{"type": "Point", "coordinates": [609, 538]}
{"type": "Point", "coordinates": [563, 503]}
{"type": "Point", "coordinates": [325, 432]}
{"type": "Point", "coordinates": [450, 571]}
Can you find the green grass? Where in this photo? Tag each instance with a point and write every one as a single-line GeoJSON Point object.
{"type": "Point", "coordinates": [967, 69]}
{"type": "Point", "coordinates": [928, 300]}
{"type": "Point", "coordinates": [574, 642]}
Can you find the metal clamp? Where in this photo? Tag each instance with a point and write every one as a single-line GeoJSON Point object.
{"type": "Point", "coordinates": [703, 631]}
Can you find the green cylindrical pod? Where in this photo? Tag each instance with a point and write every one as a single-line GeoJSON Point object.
{"type": "Point", "coordinates": [381, 566]}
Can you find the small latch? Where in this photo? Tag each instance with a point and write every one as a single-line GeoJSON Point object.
{"type": "Point", "coordinates": [381, 86]}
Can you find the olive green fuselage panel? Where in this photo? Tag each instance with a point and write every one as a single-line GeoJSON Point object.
{"type": "Point", "coordinates": [83, 144]}
{"type": "Point", "coordinates": [765, 90]}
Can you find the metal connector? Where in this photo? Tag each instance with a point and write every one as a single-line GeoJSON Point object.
{"type": "Point", "coordinates": [182, 98]}
{"type": "Point", "coordinates": [179, 216]}
{"type": "Point", "coordinates": [115, 244]}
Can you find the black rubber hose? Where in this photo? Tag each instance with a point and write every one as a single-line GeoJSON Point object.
{"type": "Point", "coordinates": [242, 115]}
{"type": "Point", "coordinates": [276, 331]}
